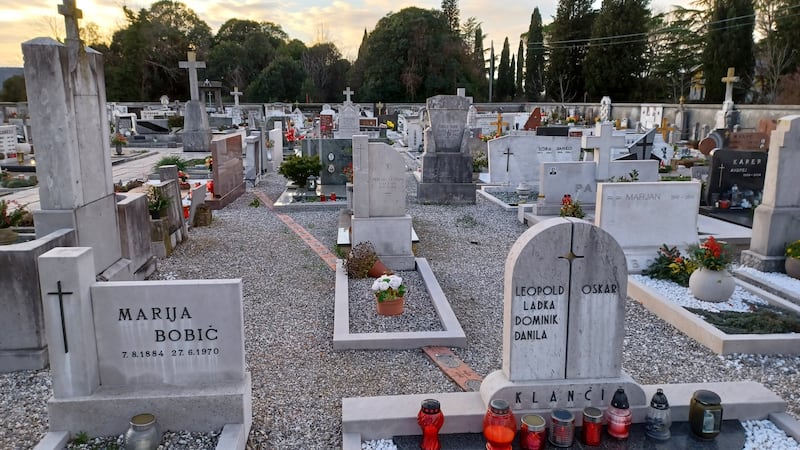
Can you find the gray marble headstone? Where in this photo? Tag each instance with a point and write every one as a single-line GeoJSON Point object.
{"type": "Point", "coordinates": [448, 118]}
{"type": "Point", "coordinates": [348, 121]}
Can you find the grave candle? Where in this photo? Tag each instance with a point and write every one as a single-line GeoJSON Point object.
{"type": "Point", "coordinates": [562, 428]}
{"type": "Point", "coordinates": [430, 419]}
{"type": "Point", "coordinates": [532, 433]}
{"type": "Point", "coordinates": [619, 416]}
{"type": "Point", "coordinates": [499, 425]}
{"type": "Point", "coordinates": [592, 426]}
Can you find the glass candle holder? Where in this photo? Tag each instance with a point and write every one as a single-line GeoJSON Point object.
{"type": "Point", "coordinates": [562, 428]}
{"type": "Point", "coordinates": [430, 419]}
{"type": "Point", "coordinates": [592, 430]}
{"type": "Point", "coordinates": [705, 414]}
{"type": "Point", "coordinates": [532, 432]}
{"type": "Point", "coordinates": [499, 425]}
{"type": "Point", "coordinates": [619, 416]}
{"type": "Point", "coordinates": [143, 433]}
{"type": "Point", "coordinates": [658, 418]}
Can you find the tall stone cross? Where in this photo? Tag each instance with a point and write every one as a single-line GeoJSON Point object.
{"type": "Point", "coordinates": [665, 129]}
{"type": "Point", "coordinates": [348, 92]}
{"type": "Point", "coordinates": [71, 15]}
{"type": "Point", "coordinates": [603, 141]}
{"type": "Point", "coordinates": [192, 65]}
{"type": "Point", "coordinates": [729, 80]}
{"type": "Point", "coordinates": [235, 93]}
{"type": "Point", "coordinates": [500, 124]}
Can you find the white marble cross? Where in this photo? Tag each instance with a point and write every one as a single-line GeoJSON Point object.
{"type": "Point", "coordinates": [71, 15]}
{"type": "Point", "coordinates": [729, 80]}
{"type": "Point", "coordinates": [348, 92]}
{"type": "Point", "coordinates": [235, 93]}
{"type": "Point", "coordinates": [192, 64]}
{"type": "Point", "coordinates": [603, 141]}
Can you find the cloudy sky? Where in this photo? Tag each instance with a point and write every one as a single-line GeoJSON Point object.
{"type": "Point", "coordinates": [338, 21]}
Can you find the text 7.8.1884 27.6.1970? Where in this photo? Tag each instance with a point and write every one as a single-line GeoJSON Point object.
{"type": "Point", "coordinates": [171, 353]}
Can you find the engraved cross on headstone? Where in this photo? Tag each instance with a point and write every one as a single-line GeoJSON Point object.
{"type": "Point", "coordinates": [235, 93]}
{"type": "Point", "coordinates": [569, 257]}
{"type": "Point", "coordinates": [508, 154]}
{"type": "Point", "coordinates": [71, 15]}
{"type": "Point", "coordinates": [61, 295]}
{"type": "Point", "coordinates": [192, 65]}
{"type": "Point", "coordinates": [721, 166]}
{"type": "Point", "coordinates": [348, 92]}
{"type": "Point", "coordinates": [729, 80]}
{"type": "Point", "coordinates": [641, 146]}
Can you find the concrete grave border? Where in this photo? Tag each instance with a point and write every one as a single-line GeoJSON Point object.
{"type": "Point", "coordinates": [452, 336]}
{"type": "Point", "coordinates": [712, 337]}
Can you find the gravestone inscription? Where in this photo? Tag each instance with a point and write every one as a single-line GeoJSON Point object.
{"type": "Point", "coordinates": [730, 168]}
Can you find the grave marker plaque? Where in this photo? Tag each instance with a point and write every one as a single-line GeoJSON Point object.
{"type": "Point", "coordinates": [744, 169]}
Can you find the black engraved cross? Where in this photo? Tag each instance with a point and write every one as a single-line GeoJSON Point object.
{"type": "Point", "coordinates": [569, 256]}
{"type": "Point", "coordinates": [508, 154]}
{"type": "Point", "coordinates": [61, 295]}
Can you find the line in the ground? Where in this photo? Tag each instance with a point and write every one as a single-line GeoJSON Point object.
{"type": "Point", "coordinates": [315, 245]}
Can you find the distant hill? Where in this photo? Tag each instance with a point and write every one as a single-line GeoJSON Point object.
{"type": "Point", "coordinates": [8, 72]}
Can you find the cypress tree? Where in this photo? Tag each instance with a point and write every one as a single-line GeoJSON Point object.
{"type": "Point", "coordinates": [534, 59]}
{"type": "Point", "coordinates": [564, 74]}
{"type": "Point", "coordinates": [729, 43]}
{"type": "Point", "coordinates": [518, 93]}
{"type": "Point", "coordinates": [505, 77]}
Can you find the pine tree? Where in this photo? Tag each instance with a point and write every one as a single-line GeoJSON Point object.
{"type": "Point", "coordinates": [729, 43]}
{"type": "Point", "coordinates": [479, 60]}
{"type": "Point", "coordinates": [534, 59]}
{"type": "Point", "coordinates": [613, 66]}
{"type": "Point", "coordinates": [564, 74]}
{"type": "Point", "coordinates": [450, 10]}
{"type": "Point", "coordinates": [505, 77]}
{"type": "Point", "coordinates": [520, 62]}
{"type": "Point", "coordinates": [512, 70]}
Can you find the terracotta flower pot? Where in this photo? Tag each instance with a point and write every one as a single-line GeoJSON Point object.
{"type": "Point", "coordinates": [391, 307]}
{"type": "Point", "coordinates": [8, 236]}
{"type": "Point", "coordinates": [712, 285]}
{"type": "Point", "coordinates": [378, 269]}
{"type": "Point", "coordinates": [793, 267]}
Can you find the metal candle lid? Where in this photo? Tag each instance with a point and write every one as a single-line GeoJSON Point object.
{"type": "Point", "coordinates": [431, 406]}
{"type": "Point", "coordinates": [534, 422]}
{"type": "Point", "coordinates": [707, 397]}
{"type": "Point", "coordinates": [562, 416]}
{"type": "Point", "coordinates": [499, 406]}
{"type": "Point", "coordinates": [592, 415]}
{"type": "Point", "coordinates": [659, 400]}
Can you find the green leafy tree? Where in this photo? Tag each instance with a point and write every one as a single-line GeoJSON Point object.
{"type": "Point", "coordinates": [614, 65]}
{"type": "Point", "coordinates": [675, 44]}
{"type": "Point", "coordinates": [321, 63]}
{"type": "Point", "coordinates": [14, 89]}
{"type": "Point", "coordinates": [479, 65]}
{"type": "Point", "coordinates": [450, 10]}
{"type": "Point", "coordinates": [504, 89]}
{"type": "Point", "coordinates": [411, 55]}
{"type": "Point", "coordinates": [355, 75]}
{"type": "Point", "coordinates": [534, 58]}
{"type": "Point", "coordinates": [518, 93]}
{"type": "Point", "coordinates": [729, 43]}
{"type": "Point", "coordinates": [775, 55]}
{"type": "Point", "coordinates": [569, 34]}
{"type": "Point", "coordinates": [281, 81]}
{"type": "Point", "coordinates": [787, 28]}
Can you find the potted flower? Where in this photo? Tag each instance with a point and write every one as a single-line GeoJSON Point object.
{"type": "Point", "coordinates": [348, 172]}
{"type": "Point", "coordinates": [363, 261]}
{"type": "Point", "coordinates": [157, 202]}
{"type": "Point", "coordinates": [793, 259]}
{"type": "Point", "coordinates": [711, 282]}
{"type": "Point", "coordinates": [10, 218]}
{"type": "Point", "coordinates": [571, 208]}
{"type": "Point", "coordinates": [389, 295]}
{"type": "Point", "coordinates": [118, 140]}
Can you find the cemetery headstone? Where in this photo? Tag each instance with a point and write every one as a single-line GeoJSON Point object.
{"type": "Point", "coordinates": [379, 203]}
{"type": "Point", "coordinates": [276, 137]}
{"type": "Point", "coordinates": [727, 117]}
{"type": "Point", "coordinates": [348, 118]}
{"type": "Point", "coordinates": [644, 216]}
{"type": "Point", "coordinates": [335, 155]}
{"type": "Point", "coordinates": [534, 121]}
{"type": "Point", "coordinates": [196, 130]}
{"type": "Point", "coordinates": [227, 170]}
{"type": "Point", "coordinates": [515, 159]}
{"type": "Point", "coordinates": [777, 219]}
{"type": "Point", "coordinates": [447, 163]}
{"type": "Point", "coordinates": [8, 139]}
{"type": "Point", "coordinates": [564, 300]}
{"type": "Point", "coordinates": [605, 109]}
{"type": "Point", "coordinates": [744, 170]}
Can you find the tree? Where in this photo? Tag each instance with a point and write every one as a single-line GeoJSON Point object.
{"type": "Point", "coordinates": [355, 75]}
{"type": "Point", "coordinates": [416, 47]}
{"type": "Point", "coordinates": [614, 65]}
{"type": "Point", "coordinates": [534, 58]}
{"type": "Point", "coordinates": [729, 43]}
{"type": "Point", "coordinates": [518, 93]}
{"type": "Point", "coordinates": [450, 10]}
{"type": "Point", "coordinates": [14, 89]}
{"type": "Point", "coordinates": [675, 43]}
{"type": "Point", "coordinates": [569, 34]}
{"type": "Point", "coordinates": [775, 55]}
{"type": "Point", "coordinates": [479, 64]}
{"type": "Point", "coordinates": [320, 63]}
{"type": "Point", "coordinates": [505, 75]}
{"type": "Point", "coordinates": [280, 81]}
{"type": "Point", "coordinates": [787, 27]}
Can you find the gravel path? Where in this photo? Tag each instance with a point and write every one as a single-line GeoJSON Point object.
{"type": "Point", "coordinates": [299, 381]}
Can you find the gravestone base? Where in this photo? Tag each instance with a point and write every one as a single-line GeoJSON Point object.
{"type": "Point", "coordinates": [446, 193]}
{"type": "Point", "coordinates": [23, 359]}
{"type": "Point", "coordinates": [201, 408]}
{"type": "Point", "coordinates": [527, 397]}
{"type": "Point", "coordinates": [385, 235]}
{"type": "Point", "coordinates": [196, 141]}
{"type": "Point", "coordinates": [220, 202]}
{"type": "Point", "coordinates": [196, 133]}
{"type": "Point", "coordinates": [446, 179]}
{"type": "Point", "coordinates": [763, 263]}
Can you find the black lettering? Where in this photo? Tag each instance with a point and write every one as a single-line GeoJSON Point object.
{"type": "Point", "coordinates": [553, 397]}
{"type": "Point", "coordinates": [517, 399]}
{"type": "Point", "coordinates": [185, 313]}
{"type": "Point", "coordinates": [171, 317]}
{"type": "Point", "coordinates": [124, 314]}
{"type": "Point", "coordinates": [156, 313]}
{"type": "Point", "coordinates": [570, 396]}
{"type": "Point", "coordinates": [174, 335]}
{"type": "Point", "coordinates": [141, 315]}
{"type": "Point", "coordinates": [208, 334]}
{"type": "Point", "coordinates": [160, 336]}
{"type": "Point", "coordinates": [586, 395]}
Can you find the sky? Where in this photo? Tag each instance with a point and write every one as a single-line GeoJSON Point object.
{"type": "Point", "coordinates": [311, 21]}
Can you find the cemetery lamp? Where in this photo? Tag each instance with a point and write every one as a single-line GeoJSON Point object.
{"type": "Point", "coordinates": [311, 183]}
{"type": "Point", "coordinates": [499, 425]}
{"type": "Point", "coordinates": [430, 419]}
{"type": "Point", "coordinates": [658, 418]}
{"type": "Point", "coordinates": [532, 433]}
{"type": "Point", "coordinates": [562, 428]}
{"type": "Point", "coordinates": [619, 416]}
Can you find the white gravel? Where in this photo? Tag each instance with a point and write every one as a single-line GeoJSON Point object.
{"type": "Point", "coordinates": [774, 278]}
{"type": "Point", "coordinates": [740, 301]}
{"type": "Point", "coordinates": [299, 381]}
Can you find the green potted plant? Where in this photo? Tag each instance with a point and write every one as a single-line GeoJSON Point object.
{"type": "Point", "coordinates": [118, 140]}
{"type": "Point", "coordinates": [363, 261]}
{"type": "Point", "coordinates": [297, 169]}
{"type": "Point", "coordinates": [172, 160]}
{"type": "Point", "coordinates": [711, 282]}
{"type": "Point", "coordinates": [793, 259]}
{"type": "Point", "coordinates": [389, 295]}
{"type": "Point", "coordinates": [10, 218]}
{"type": "Point", "coordinates": [571, 208]}
{"type": "Point", "coordinates": [157, 202]}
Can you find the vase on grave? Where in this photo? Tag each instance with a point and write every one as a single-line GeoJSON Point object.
{"type": "Point", "coordinates": [8, 236]}
{"type": "Point", "coordinates": [143, 433]}
{"type": "Point", "coordinates": [793, 267]}
{"type": "Point", "coordinates": [712, 285]}
{"type": "Point", "coordinates": [119, 149]}
{"type": "Point", "coordinates": [392, 307]}
{"type": "Point", "coordinates": [156, 214]}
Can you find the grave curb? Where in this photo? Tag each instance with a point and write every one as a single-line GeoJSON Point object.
{"type": "Point", "coordinates": [709, 335]}
{"type": "Point", "coordinates": [384, 417]}
{"type": "Point", "coordinates": [786, 294]}
{"type": "Point", "coordinates": [452, 336]}
{"type": "Point", "coordinates": [488, 196]}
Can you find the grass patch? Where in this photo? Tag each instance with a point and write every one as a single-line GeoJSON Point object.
{"type": "Point", "coordinates": [764, 319]}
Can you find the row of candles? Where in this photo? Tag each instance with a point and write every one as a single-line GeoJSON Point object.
{"type": "Point", "coordinates": [500, 425]}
